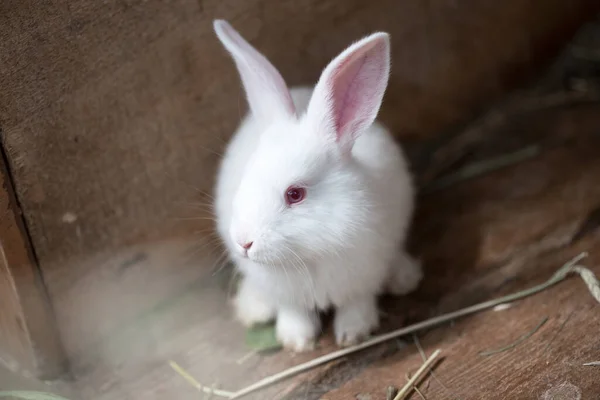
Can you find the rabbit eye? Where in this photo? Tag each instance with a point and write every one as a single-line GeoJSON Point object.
{"type": "Point", "coordinates": [294, 195]}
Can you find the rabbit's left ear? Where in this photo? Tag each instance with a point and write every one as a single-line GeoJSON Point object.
{"type": "Point", "coordinates": [349, 93]}
{"type": "Point", "coordinates": [267, 93]}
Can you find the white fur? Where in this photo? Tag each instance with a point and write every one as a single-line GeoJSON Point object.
{"type": "Point", "coordinates": [344, 244]}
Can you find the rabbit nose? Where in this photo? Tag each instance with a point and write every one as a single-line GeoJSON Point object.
{"type": "Point", "coordinates": [247, 245]}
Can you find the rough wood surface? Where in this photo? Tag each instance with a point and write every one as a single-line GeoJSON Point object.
{"type": "Point", "coordinates": [548, 365]}
{"type": "Point", "coordinates": [115, 112]}
{"type": "Point", "coordinates": [28, 336]}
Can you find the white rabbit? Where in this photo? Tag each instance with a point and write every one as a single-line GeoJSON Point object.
{"type": "Point", "coordinates": [314, 199]}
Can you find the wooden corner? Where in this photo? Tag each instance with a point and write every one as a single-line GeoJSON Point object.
{"type": "Point", "coordinates": [29, 338]}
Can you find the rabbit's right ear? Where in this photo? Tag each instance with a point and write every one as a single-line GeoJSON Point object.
{"type": "Point", "coordinates": [267, 93]}
{"type": "Point", "coordinates": [349, 93]}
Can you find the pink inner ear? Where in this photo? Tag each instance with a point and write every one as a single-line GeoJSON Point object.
{"type": "Point", "coordinates": [357, 84]}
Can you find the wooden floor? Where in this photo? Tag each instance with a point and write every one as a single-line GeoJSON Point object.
{"type": "Point", "coordinates": [481, 238]}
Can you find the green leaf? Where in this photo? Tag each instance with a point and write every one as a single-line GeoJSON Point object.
{"type": "Point", "coordinates": [30, 395]}
{"type": "Point", "coordinates": [262, 338]}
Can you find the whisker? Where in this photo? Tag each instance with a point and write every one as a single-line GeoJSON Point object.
{"type": "Point", "coordinates": [234, 276]}
{"type": "Point", "coordinates": [210, 244]}
{"type": "Point", "coordinates": [196, 219]}
{"type": "Point", "coordinates": [212, 151]}
{"type": "Point", "coordinates": [303, 269]}
{"type": "Point", "coordinates": [197, 204]}
{"type": "Point", "coordinates": [222, 260]}
{"type": "Point", "coordinates": [287, 275]}
{"type": "Point", "coordinates": [189, 185]}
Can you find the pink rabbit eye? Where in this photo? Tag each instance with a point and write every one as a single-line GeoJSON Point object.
{"type": "Point", "coordinates": [294, 195]}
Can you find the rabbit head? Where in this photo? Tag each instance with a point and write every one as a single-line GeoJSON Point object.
{"type": "Point", "coordinates": [302, 194]}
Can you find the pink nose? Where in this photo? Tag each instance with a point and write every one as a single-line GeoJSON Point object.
{"type": "Point", "coordinates": [247, 245]}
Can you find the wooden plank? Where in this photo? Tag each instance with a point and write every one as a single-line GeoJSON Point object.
{"type": "Point", "coordinates": [28, 336]}
{"type": "Point", "coordinates": [548, 365]}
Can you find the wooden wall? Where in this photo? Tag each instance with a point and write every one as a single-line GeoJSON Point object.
{"type": "Point", "coordinates": [114, 113]}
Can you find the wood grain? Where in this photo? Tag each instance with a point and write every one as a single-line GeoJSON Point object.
{"type": "Point", "coordinates": [531, 370]}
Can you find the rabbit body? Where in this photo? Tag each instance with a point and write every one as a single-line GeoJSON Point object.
{"type": "Point", "coordinates": [341, 245]}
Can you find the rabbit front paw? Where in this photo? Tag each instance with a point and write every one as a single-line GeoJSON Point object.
{"type": "Point", "coordinates": [297, 330]}
{"type": "Point", "coordinates": [251, 308]}
{"type": "Point", "coordinates": [354, 322]}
